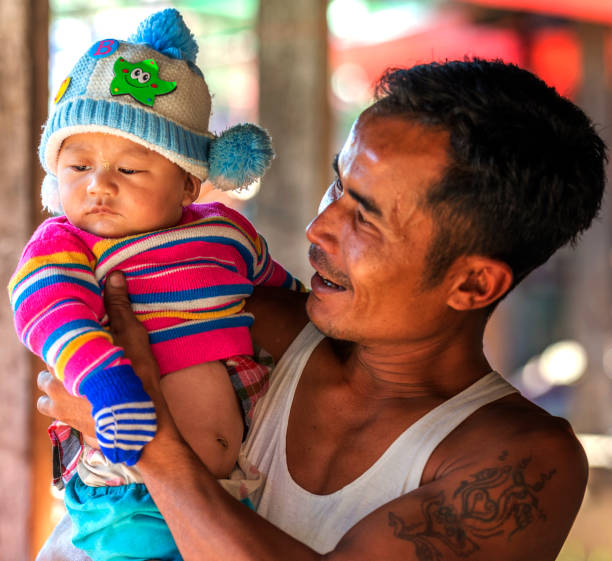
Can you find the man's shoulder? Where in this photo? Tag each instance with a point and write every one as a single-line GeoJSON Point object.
{"type": "Point", "coordinates": [513, 425]}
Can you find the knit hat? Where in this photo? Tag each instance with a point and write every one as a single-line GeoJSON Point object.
{"type": "Point", "coordinates": [148, 89]}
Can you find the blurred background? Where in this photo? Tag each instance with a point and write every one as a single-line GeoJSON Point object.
{"type": "Point", "coordinates": [304, 69]}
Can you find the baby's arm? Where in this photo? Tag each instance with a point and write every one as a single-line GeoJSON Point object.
{"type": "Point", "coordinates": [261, 268]}
{"type": "Point", "coordinates": [205, 409]}
{"type": "Point", "coordinates": [57, 304]}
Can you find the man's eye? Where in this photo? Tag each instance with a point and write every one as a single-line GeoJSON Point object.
{"type": "Point", "coordinates": [361, 218]}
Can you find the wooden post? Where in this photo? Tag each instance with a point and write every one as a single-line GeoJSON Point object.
{"type": "Point", "coordinates": [24, 492]}
{"type": "Point", "coordinates": [590, 296]}
{"type": "Point", "coordinates": [293, 106]}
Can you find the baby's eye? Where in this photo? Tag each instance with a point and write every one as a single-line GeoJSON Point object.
{"type": "Point", "coordinates": [78, 167]}
{"type": "Point", "coordinates": [127, 171]}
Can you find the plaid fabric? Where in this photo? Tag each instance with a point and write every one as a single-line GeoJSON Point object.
{"type": "Point", "coordinates": [67, 445]}
{"type": "Point", "coordinates": [250, 377]}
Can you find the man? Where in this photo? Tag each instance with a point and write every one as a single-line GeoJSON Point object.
{"type": "Point", "coordinates": [389, 437]}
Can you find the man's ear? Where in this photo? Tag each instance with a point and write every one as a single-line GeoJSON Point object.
{"type": "Point", "coordinates": [192, 189]}
{"type": "Point", "coordinates": [478, 282]}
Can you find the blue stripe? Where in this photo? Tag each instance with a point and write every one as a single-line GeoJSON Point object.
{"type": "Point", "coordinates": [55, 279]}
{"type": "Point", "coordinates": [120, 433]}
{"type": "Point", "coordinates": [130, 119]}
{"type": "Point", "coordinates": [116, 355]}
{"type": "Point", "coordinates": [119, 244]}
{"type": "Point", "coordinates": [192, 328]}
{"type": "Point", "coordinates": [65, 328]}
{"type": "Point", "coordinates": [288, 282]}
{"type": "Point", "coordinates": [246, 255]}
{"type": "Point", "coordinates": [55, 266]}
{"type": "Point", "coordinates": [56, 305]}
{"type": "Point", "coordinates": [131, 411]}
{"type": "Point", "coordinates": [110, 444]}
{"type": "Point", "coordinates": [125, 432]}
{"type": "Point", "coordinates": [192, 294]}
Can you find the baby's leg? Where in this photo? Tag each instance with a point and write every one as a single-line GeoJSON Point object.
{"type": "Point", "coordinates": [205, 408]}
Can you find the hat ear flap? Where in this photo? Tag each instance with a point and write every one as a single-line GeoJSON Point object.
{"type": "Point", "coordinates": [49, 193]}
{"type": "Point", "coordinates": [239, 156]}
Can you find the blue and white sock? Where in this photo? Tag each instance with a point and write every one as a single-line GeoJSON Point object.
{"type": "Point", "coordinates": [123, 412]}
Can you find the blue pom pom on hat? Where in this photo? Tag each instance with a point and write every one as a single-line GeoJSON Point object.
{"type": "Point", "coordinates": [174, 124]}
{"type": "Point", "coordinates": [167, 33]}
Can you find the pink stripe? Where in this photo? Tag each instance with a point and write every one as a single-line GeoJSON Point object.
{"type": "Point", "coordinates": [202, 347]}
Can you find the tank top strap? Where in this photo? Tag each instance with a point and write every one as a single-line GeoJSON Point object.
{"type": "Point", "coordinates": [431, 429]}
{"type": "Point", "coordinates": [294, 359]}
{"type": "Point", "coordinates": [264, 438]}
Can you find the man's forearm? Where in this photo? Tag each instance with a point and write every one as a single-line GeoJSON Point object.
{"type": "Point", "coordinates": [206, 522]}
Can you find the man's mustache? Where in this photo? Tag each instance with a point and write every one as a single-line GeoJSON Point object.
{"type": "Point", "coordinates": [320, 260]}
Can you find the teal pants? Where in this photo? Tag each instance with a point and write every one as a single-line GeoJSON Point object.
{"type": "Point", "coordinates": [118, 523]}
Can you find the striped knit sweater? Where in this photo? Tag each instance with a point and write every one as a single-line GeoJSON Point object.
{"type": "Point", "coordinates": [187, 284]}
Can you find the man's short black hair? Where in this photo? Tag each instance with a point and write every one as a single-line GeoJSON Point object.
{"type": "Point", "coordinates": [527, 169]}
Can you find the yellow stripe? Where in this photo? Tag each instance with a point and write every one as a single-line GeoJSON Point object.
{"type": "Point", "coordinates": [73, 346]}
{"type": "Point", "coordinates": [193, 315]}
{"type": "Point", "coordinates": [103, 245]}
{"type": "Point", "coordinates": [62, 258]}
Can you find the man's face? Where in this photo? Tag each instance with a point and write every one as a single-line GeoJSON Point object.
{"type": "Point", "coordinates": [371, 236]}
{"type": "Point", "coordinates": [113, 187]}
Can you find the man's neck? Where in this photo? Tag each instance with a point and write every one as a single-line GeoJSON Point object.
{"type": "Point", "coordinates": [440, 366]}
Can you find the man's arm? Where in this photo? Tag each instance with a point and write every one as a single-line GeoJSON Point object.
{"type": "Point", "coordinates": [280, 314]}
{"type": "Point", "coordinates": [512, 503]}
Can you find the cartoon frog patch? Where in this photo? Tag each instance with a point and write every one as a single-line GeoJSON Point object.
{"type": "Point", "coordinates": [140, 80]}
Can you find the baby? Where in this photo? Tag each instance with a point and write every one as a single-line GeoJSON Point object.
{"type": "Point", "coordinates": [126, 150]}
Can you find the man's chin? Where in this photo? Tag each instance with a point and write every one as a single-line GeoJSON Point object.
{"type": "Point", "coordinates": [326, 324]}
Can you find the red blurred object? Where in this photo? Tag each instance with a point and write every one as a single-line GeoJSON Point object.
{"type": "Point", "coordinates": [556, 58]}
{"type": "Point", "coordinates": [589, 10]}
{"type": "Point", "coordinates": [452, 41]}
{"type": "Point", "coordinates": [553, 54]}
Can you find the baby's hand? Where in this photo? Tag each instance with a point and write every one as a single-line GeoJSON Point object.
{"type": "Point", "coordinates": [123, 412]}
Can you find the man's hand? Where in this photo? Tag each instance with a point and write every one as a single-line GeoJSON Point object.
{"type": "Point", "coordinates": [130, 334]}
{"type": "Point", "coordinates": [59, 404]}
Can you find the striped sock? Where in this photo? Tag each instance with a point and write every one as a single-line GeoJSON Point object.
{"type": "Point", "coordinates": [123, 412]}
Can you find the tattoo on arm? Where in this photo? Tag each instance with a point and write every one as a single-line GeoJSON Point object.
{"type": "Point", "coordinates": [492, 502]}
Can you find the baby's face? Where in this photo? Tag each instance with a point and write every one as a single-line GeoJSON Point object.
{"type": "Point", "coordinates": [113, 187]}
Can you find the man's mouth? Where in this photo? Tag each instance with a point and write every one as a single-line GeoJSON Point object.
{"type": "Point", "coordinates": [329, 283]}
{"type": "Point", "coordinates": [318, 260]}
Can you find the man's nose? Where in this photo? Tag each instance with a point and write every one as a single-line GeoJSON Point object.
{"type": "Point", "coordinates": [102, 183]}
{"type": "Point", "coordinates": [324, 228]}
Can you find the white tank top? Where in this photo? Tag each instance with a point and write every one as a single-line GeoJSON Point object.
{"type": "Point", "coordinates": [321, 520]}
